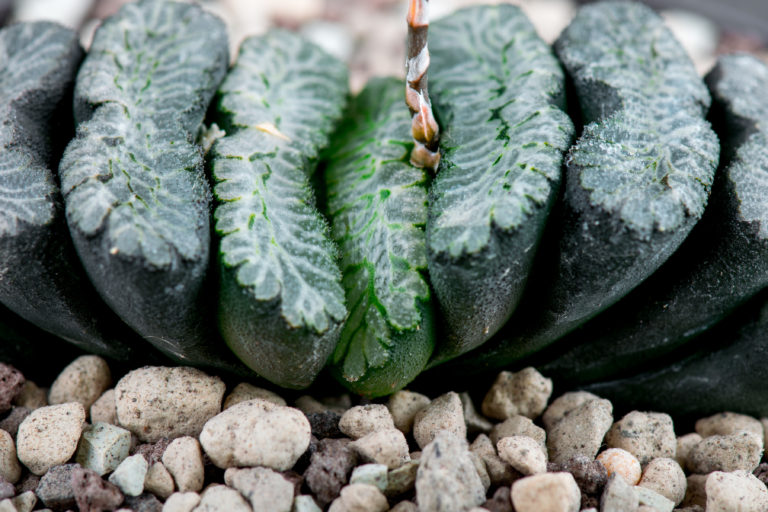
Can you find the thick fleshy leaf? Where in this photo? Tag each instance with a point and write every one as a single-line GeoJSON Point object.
{"type": "Point", "coordinates": [42, 279]}
{"type": "Point", "coordinates": [137, 199]}
{"type": "Point", "coordinates": [377, 203]}
{"type": "Point", "coordinates": [278, 106]}
{"type": "Point", "coordinates": [498, 91]}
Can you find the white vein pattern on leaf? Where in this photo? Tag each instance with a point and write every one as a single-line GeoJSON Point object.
{"type": "Point", "coordinates": [377, 203]}
{"type": "Point", "coordinates": [749, 175]}
{"type": "Point", "coordinates": [494, 81]}
{"type": "Point", "coordinates": [271, 231]}
{"type": "Point", "coordinates": [133, 168]}
{"type": "Point", "coordinates": [742, 86]}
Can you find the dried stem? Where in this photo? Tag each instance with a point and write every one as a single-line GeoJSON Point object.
{"type": "Point", "coordinates": [423, 126]}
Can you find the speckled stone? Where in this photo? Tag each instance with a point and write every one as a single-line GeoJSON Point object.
{"type": "Point", "coordinates": [563, 405]}
{"type": "Point", "coordinates": [553, 492]}
{"type": "Point", "coordinates": [184, 462]}
{"type": "Point", "coordinates": [581, 432]}
{"type": "Point", "coordinates": [519, 426]}
{"type": "Point", "coordinates": [264, 488]}
{"type": "Point", "coordinates": [83, 381]}
{"type": "Point", "coordinates": [726, 423]}
{"type": "Point", "coordinates": [245, 391]}
{"type": "Point", "coordinates": [103, 447]}
{"type": "Point", "coordinates": [360, 498]}
{"type": "Point", "coordinates": [159, 481]}
{"type": "Point", "coordinates": [330, 468]}
{"type": "Point", "coordinates": [403, 406]}
{"type": "Point", "coordinates": [523, 453]}
{"type": "Point", "coordinates": [362, 420]}
{"type": "Point", "coordinates": [104, 409]}
{"type": "Point", "coordinates": [157, 402]}
{"type": "Point", "coordinates": [92, 494]}
{"type": "Point", "coordinates": [10, 469]}
{"type": "Point", "coordinates": [739, 451]}
{"type": "Point", "coordinates": [666, 477]}
{"type": "Point", "coordinates": [445, 412]}
{"type": "Point", "coordinates": [736, 491]}
{"type": "Point", "coordinates": [55, 487]}
{"type": "Point", "coordinates": [372, 474]}
{"type": "Point", "coordinates": [499, 471]}
{"type": "Point", "coordinates": [525, 392]}
{"type": "Point", "coordinates": [220, 498]}
{"type": "Point", "coordinates": [388, 447]}
{"type": "Point", "coordinates": [684, 445]}
{"type": "Point", "coordinates": [475, 422]}
{"type": "Point", "coordinates": [49, 435]}
{"type": "Point", "coordinates": [11, 385]}
{"type": "Point", "coordinates": [646, 435]}
{"type": "Point", "coordinates": [256, 433]}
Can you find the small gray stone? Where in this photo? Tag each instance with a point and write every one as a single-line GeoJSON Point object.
{"type": "Point", "coordinates": [103, 409]}
{"type": "Point", "coordinates": [256, 433]}
{"type": "Point", "coordinates": [156, 402]}
{"type": "Point", "coordinates": [738, 490]}
{"type": "Point", "coordinates": [305, 503]}
{"type": "Point", "coordinates": [654, 500]}
{"type": "Point", "coordinates": [523, 453]}
{"type": "Point", "coordinates": [646, 435]}
{"type": "Point", "coordinates": [684, 445]}
{"type": "Point", "coordinates": [499, 471]}
{"type": "Point", "coordinates": [55, 487]}
{"type": "Point", "coordinates": [82, 381]}
{"type": "Point", "coordinates": [443, 413]}
{"type": "Point", "coordinates": [475, 422]}
{"type": "Point", "coordinates": [159, 481]}
{"type": "Point", "coordinates": [618, 496]}
{"type": "Point", "coordinates": [181, 502]}
{"type": "Point", "coordinates": [220, 498]}
{"type": "Point", "coordinates": [666, 477]}
{"type": "Point", "coordinates": [563, 405]}
{"type": "Point", "coordinates": [184, 462]}
{"type": "Point", "coordinates": [10, 469]}
{"type": "Point", "coordinates": [48, 436]}
{"type": "Point", "coordinates": [324, 424]}
{"type": "Point", "coordinates": [518, 426]}
{"type": "Point", "coordinates": [329, 469]}
{"type": "Point", "coordinates": [525, 392]}
{"type": "Point", "coordinates": [103, 447]}
{"type": "Point", "coordinates": [244, 392]}
{"type": "Point", "coordinates": [402, 479]}
{"type": "Point", "coordinates": [130, 474]}
{"type": "Point", "coordinates": [362, 420]}
{"type": "Point", "coordinates": [264, 488]}
{"type": "Point", "coordinates": [388, 447]}
{"type": "Point", "coordinates": [360, 498]}
{"type": "Point", "coordinates": [372, 474]}
{"type": "Point", "coordinates": [581, 432]}
{"type": "Point", "coordinates": [447, 479]}
{"type": "Point", "coordinates": [553, 492]}
{"type": "Point", "coordinates": [739, 451]}
{"type": "Point", "coordinates": [403, 406]}
{"type": "Point", "coordinates": [727, 423]}
{"type": "Point", "coordinates": [31, 397]}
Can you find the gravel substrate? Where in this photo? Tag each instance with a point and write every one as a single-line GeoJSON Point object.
{"type": "Point", "coordinates": [176, 439]}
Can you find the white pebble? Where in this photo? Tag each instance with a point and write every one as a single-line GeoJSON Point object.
{"type": "Point", "coordinates": [581, 432]}
{"type": "Point", "coordinates": [553, 492]}
{"type": "Point", "coordinates": [156, 402]}
{"type": "Point", "coordinates": [159, 481]}
{"type": "Point", "coordinates": [736, 491]}
{"type": "Point", "coordinates": [220, 498]}
{"type": "Point", "coordinates": [403, 406]}
{"type": "Point", "coordinates": [666, 477]}
{"type": "Point", "coordinates": [264, 488]}
{"type": "Point", "coordinates": [443, 413]}
{"type": "Point", "coordinates": [181, 502]}
{"type": "Point", "coordinates": [256, 433]}
{"type": "Point", "coordinates": [519, 426]}
{"type": "Point", "coordinates": [499, 471]}
{"type": "Point", "coordinates": [525, 392]}
{"type": "Point", "coordinates": [563, 405]}
{"type": "Point", "coordinates": [130, 475]}
{"type": "Point", "coordinates": [739, 451]}
{"type": "Point", "coordinates": [388, 447]}
{"type": "Point", "coordinates": [83, 381]}
{"type": "Point", "coordinates": [727, 423]}
{"type": "Point", "coordinates": [305, 503]}
{"type": "Point", "coordinates": [103, 410]}
{"type": "Point", "coordinates": [684, 445]}
{"type": "Point", "coordinates": [184, 462]}
{"type": "Point", "coordinates": [245, 391]}
{"type": "Point", "coordinates": [523, 453]}
{"type": "Point", "coordinates": [48, 436]}
{"type": "Point", "coordinates": [360, 498]}
{"type": "Point", "coordinates": [646, 435]}
{"type": "Point", "coordinates": [362, 420]}
{"type": "Point", "coordinates": [10, 469]}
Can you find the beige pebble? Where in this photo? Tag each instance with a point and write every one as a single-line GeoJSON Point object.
{"type": "Point", "coordinates": [684, 445]}
{"type": "Point", "coordinates": [551, 492]}
{"type": "Point", "coordinates": [525, 392]}
{"type": "Point", "coordinates": [220, 498]}
{"type": "Point", "coordinates": [739, 451]}
{"type": "Point", "coordinates": [646, 435]}
{"type": "Point", "coordinates": [159, 481]}
{"type": "Point", "coordinates": [519, 426]}
{"type": "Point", "coordinates": [103, 409]}
{"type": "Point", "coordinates": [31, 396]}
{"type": "Point", "coordinates": [156, 401]}
{"type": "Point", "coordinates": [475, 422]}
{"type": "Point", "coordinates": [666, 477]}
{"type": "Point", "coordinates": [405, 506]}
{"type": "Point", "coordinates": [181, 502]}
{"type": "Point", "coordinates": [360, 498]}
{"type": "Point", "coordinates": [622, 463]}
{"type": "Point", "coordinates": [727, 423]}
{"type": "Point", "coordinates": [184, 462]}
{"type": "Point", "coordinates": [48, 436]}
{"type": "Point", "coordinates": [499, 471]}
{"type": "Point", "coordinates": [581, 432]}
{"type": "Point", "coordinates": [403, 406]}
{"type": "Point", "coordinates": [388, 447]}
{"type": "Point", "coordinates": [736, 491]}
{"type": "Point", "coordinates": [24, 502]}
{"type": "Point", "coordinates": [563, 405]}
{"type": "Point", "coordinates": [10, 469]}
{"type": "Point", "coordinates": [523, 453]}
{"type": "Point", "coordinates": [695, 491]}
{"type": "Point", "coordinates": [443, 413]}
{"type": "Point", "coordinates": [256, 433]}
{"type": "Point", "coordinates": [83, 381]}
{"type": "Point", "coordinates": [361, 420]}
{"type": "Point", "coordinates": [482, 471]}
{"type": "Point", "coordinates": [245, 391]}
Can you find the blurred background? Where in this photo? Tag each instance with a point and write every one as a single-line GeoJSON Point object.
{"type": "Point", "coordinates": [369, 34]}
